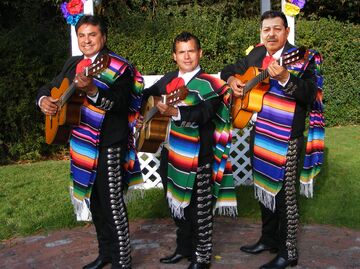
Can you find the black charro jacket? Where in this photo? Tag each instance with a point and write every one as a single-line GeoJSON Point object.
{"type": "Point", "coordinates": [201, 114]}
{"type": "Point", "coordinates": [115, 126]}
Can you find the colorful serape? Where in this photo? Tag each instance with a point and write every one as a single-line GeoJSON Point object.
{"type": "Point", "coordinates": [314, 154]}
{"type": "Point", "coordinates": [84, 155]}
{"type": "Point", "coordinates": [272, 134]}
{"type": "Point", "coordinates": [184, 147]}
{"type": "Point", "coordinates": [84, 140]}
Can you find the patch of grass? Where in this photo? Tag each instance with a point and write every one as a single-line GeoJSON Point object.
{"type": "Point", "coordinates": [35, 197]}
{"type": "Point", "coordinates": [337, 190]}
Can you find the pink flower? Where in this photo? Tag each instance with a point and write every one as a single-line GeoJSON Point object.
{"type": "Point", "coordinates": [75, 6]}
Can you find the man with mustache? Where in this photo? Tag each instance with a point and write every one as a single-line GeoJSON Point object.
{"type": "Point", "coordinates": [277, 136]}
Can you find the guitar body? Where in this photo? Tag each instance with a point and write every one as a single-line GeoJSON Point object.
{"type": "Point", "coordinates": [59, 126]}
{"type": "Point", "coordinates": [153, 132]}
{"type": "Point", "coordinates": [243, 108]}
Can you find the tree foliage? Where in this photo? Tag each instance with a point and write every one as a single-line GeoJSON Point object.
{"type": "Point", "coordinates": [33, 44]}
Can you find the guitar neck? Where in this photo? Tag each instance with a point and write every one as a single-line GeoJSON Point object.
{"type": "Point", "coordinates": [67, 94]}
{"type": "Point", "coordinates": [256, 80]}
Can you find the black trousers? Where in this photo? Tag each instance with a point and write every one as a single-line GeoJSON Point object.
{"type": "Point", "coordinates": [279, 227]}
{"type": "Point", "coordinates": [194, 231]}
{"type": "Point", "coordinates": [108, 209]}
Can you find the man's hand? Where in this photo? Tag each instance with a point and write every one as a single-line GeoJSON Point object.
{"type": "Point", "coordinates": [48, 105]}
{"type": "Point", "coordinates": [139, 122]}
{"type": "Point", "coordinates": [167, 110]}
{"type": "Point", "coordinates": [236, 85]}
{"type": "Point", "coordinates": [85, 84]}
{"type": "Point", "coordinates": [278, 72]}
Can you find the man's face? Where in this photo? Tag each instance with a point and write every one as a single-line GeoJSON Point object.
{"type": "Point", "coordinates": [90, 39]}
{"type": "Point", "coordinates": [274, 34]}
{"type": "Point", "coordinates": [187, 56]}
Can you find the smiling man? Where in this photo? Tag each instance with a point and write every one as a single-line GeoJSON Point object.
{"type": "Point", "coordinates": [194, 168]}
{"type": "Point", "coordinates": [277, 136]}
{"type": "Point", "coordinates": [99, 145]}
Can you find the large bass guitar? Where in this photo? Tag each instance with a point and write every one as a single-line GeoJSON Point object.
{"type": "Point", "coordinates": [257, 83]}
{"type": "Point", "coordinates": [58, 127]}
{"type": "Point", "coordinates": [154, 129]}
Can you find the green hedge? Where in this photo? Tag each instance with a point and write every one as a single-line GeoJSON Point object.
{"type": "Point", "coordinates": [146, 41]}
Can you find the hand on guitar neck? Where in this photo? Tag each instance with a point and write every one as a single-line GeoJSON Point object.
{"type": "Point", "coordinates": [278, 72]}
{"type": "Point", "coordinates": [167, 110]}
{"type": "Point", "coordinates": [85, 83]}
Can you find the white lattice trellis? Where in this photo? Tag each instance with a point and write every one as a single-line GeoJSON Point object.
{"type": "Point", "coordinates": [149, 164]}
{"type": "Point", "coordinates": [239, 158]}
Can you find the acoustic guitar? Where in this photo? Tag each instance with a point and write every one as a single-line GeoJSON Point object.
{"type": "Point", "coordinates": [58, 127]}
{"type": "Point", "coordinates": [257, 83]}
{"type": "Point", "coordinates": [154, 129]}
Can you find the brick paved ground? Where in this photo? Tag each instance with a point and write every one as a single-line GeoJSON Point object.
{"type": "Point", "coordinates": [320, 247]}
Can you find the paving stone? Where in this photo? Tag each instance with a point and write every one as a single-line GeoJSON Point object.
{"type": "Point", "coordinates": [320, 247]}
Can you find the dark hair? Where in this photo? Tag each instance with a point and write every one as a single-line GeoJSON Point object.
{"type": "Point", "coordinates": [274, 14]}
{"type": "Point", "coordinates": [184, 37]}
{"type": "Point", "coordinates": [93, 20]}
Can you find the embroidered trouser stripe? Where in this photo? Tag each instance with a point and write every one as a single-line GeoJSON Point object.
{"type": "Point", "coordinates": [204, 227]}
{"type": "Point", "coordinates": [118, 209]}
{"type": "Point", "coordinates": [291, 208]}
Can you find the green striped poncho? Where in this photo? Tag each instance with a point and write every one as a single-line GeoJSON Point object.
{"type": "Point", "coordinates": [184, 147]}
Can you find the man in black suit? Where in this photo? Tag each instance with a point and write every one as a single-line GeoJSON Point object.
{"type": "Point", "coordinates": [187, 160]}
{"type": "Point", "coordinates": [99, 145]}
{"type": "Point", "coordinates": [277, 137]}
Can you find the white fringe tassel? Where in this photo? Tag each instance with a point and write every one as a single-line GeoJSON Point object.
{"type": "Point", "coordinates": [81, 208]}
{"type": "Point", "coordinates": [307, 189]}
{"type": "Point", "coordinates": [230, 211]}
{"type": "Point", "coordinates": [134, 193]}
{"type": "Point", "coordinates": [177, 208]}
{"type": "Point", "coordinates": [267, 199]}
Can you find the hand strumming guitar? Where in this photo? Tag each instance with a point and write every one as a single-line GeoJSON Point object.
{"type": "Point", "coordinates": [236, 85]}
{"type": "Point", "coordinates": [48, 105]}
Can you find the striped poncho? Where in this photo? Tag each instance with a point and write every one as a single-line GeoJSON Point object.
{"type": "Point", "coordinates": [272, 134]}
{"type": "Point", "coordinates": [184, 147]}
{"type": "Point", "coordinates": [85, 139]}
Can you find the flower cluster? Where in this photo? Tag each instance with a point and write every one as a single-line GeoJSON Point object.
{"type": "Point", "coordinates": [292, 7]}
{"type": "Point", "coordinates": [72, 11]}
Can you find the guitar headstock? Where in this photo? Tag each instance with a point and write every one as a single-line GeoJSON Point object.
{"type": "Point", "coordinates": [293, 56]}
{"type": "Point", "coordinates": [98, 66]}
{"type": "Point", "coordinates": [176, 96]}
